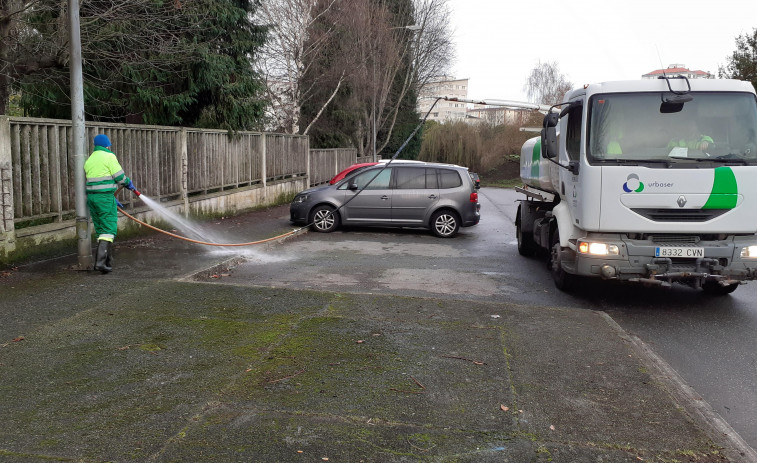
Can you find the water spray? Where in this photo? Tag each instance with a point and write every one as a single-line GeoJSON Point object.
{"type": "Point", "coordinates": [293, 232]}
{"type": "Point", "coordinates": [205, 242]}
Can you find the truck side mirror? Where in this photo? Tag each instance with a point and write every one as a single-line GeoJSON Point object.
{"type": "Point", "coordinates": [549, 136]}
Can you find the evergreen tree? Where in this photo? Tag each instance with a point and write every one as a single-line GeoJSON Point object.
{"type": "Point", "coordinates": [158, 62]}
{"type": "Point", "coordinates": [742, 64]}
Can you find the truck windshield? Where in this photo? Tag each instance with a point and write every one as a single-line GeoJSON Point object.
{"type": "Point", "coordinates": [634, 127]}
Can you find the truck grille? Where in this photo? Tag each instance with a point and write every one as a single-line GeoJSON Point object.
{"type": "Point", "coordinates": [680, 215]}
{"type": "Point", "coordinates": [678, 239]}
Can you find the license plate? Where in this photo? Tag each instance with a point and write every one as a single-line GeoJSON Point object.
{"type": "Point", "coordinates": [679, 251]}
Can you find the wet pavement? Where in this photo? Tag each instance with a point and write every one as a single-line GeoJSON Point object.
{"type": "Point", "coordinates": [189, 354]}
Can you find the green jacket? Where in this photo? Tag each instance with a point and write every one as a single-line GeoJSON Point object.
{"type": "Point", "coordinates": [103, 171]}
{"type": "Point", "coordinates": [690, 144]}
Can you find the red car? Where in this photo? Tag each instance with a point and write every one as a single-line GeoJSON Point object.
{"type": "Point", "coordinates": [350, 169]}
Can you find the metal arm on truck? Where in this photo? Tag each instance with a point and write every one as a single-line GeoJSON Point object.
{"type": "Point", "coordinates": [542, 108]}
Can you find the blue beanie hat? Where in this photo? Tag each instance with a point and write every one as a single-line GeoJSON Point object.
{"type": "Point", "coordinates": [102, 140]}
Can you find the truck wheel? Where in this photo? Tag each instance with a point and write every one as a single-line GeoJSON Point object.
{"type": "Point", "coordinates": [714, 289]}
{"type": "Point", "coordinates": [526, 245]}
{"type": "Point", "coordinates": [324, 219]}
{"type": "Point", "coordinates": [563, 281]}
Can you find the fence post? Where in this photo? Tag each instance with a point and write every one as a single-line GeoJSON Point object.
{"type": "Point", "coordinates": [7, 229]}
{"type": "Point", "coordinates": [263, 174]}
{"type": "Point", "coordinates": [307, 165]}
{"type": "Point", "coordinates": [184, 170]}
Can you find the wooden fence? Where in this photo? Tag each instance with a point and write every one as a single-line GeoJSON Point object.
{"type": "Point", "coordinates": [325, 163]}
{"type": "Point", "coordinates": [37, 186]}
{"type": "Point", "coordinates": [166, 162]}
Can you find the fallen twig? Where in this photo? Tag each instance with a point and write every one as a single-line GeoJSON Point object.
{"type": "Point", "coordinates": [411, 392]}
{"type": "Point", "coordinates": [406, 392]}
{"type": "Point", "coordinates": [286, 377]}
{"type": "Point", "coordinates": [419, 448]}
{"type": "Point", "coordinates": [475, 362]}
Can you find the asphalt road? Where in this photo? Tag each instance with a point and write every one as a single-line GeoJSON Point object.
{"type": "Point", "coordinates": [710, 341]}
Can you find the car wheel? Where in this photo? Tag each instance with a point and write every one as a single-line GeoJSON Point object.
{"type": "Point", "coordinates": [526, 245]}
{"type": "Point", "coordinates": [445, 224]}
{"type": "Point", "coordinates": [714, 288]}
{"type": "Point", "coordinates": [324, 219]}
{"type": "Point", "coordinates": [564, 281]}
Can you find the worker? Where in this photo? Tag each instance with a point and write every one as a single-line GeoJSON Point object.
{"type": "Point", "coordinates": [104, 175]}
{"type": "Point", "coordinates": [690, 137]}
{"type": "Point", "coordinates": [611, 130]}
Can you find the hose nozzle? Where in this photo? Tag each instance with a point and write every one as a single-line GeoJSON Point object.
{"type": "Point", "coordinates": [136, 192]}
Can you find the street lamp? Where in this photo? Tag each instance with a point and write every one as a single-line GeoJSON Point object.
{"type": "Point", "coordinates": [411, 28]}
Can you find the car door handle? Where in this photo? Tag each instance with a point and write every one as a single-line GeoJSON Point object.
{"type": "Point", "coordinates": [385, 197]}
{"type": "Point", "coordinates": [432, 197]}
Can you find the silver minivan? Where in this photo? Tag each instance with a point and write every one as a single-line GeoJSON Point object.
{"type": "Point", "coordinates": [439, 197]}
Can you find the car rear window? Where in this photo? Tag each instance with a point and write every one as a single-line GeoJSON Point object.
{"type": "Point", "coordinates": [432, 181]}
{"type": "Point", "coordinates": [413, 178]}
{"type": "Point", "coordinates": [449, 178]}
{"type": "Point", "coordinates": [409, 178]}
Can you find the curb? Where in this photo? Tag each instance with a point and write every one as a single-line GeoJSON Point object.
{"type": "Point", "coordinates": [716, 428]}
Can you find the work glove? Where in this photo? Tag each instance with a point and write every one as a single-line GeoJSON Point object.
{"type": "Point", "coordinates": [131, 186]}
{"type": "Point", "coordinates": [118, 203]}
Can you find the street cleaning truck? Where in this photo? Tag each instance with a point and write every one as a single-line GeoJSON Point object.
{"type": "Point", "coordinates": [651, 182]}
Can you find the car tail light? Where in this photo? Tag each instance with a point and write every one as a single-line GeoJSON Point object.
{"type": "Point", "coordinates": [474, 197]}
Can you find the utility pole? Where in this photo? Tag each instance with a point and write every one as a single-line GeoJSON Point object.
{"type": "Point", "coordinates": [373, 113]}
{"type": "Point", "coordinates": [78, 138]}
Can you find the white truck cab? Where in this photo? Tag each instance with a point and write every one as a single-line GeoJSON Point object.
{"type": "Point", "coordinates": [649, 181]}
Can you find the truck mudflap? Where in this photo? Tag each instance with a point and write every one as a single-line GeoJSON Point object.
{"type": "Point", "coordinates": [636, 262]}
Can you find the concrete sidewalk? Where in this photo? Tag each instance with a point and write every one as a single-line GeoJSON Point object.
{"type": "Point", "coordinates": [149, 363]}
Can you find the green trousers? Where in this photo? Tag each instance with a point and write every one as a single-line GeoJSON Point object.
{"type": "Point", "coordinates": [104, 212]}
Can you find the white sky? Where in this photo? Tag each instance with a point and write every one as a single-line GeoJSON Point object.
{"type": "Point", "coordinates": [498, 42]}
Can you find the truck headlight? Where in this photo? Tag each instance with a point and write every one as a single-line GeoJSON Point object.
{"type": "Point", "coordinates": [598, 249]}
{"type": "Point", "coordinates": [749, 251]}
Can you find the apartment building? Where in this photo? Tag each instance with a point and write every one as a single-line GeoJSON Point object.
{"type": "Point", "coordinates": [678, 70]}
{"type": "Point", "coordinates": [444, 110]}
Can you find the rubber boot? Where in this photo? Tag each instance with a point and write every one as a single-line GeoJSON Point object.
{"type": "Point", "coordinates": [101, 259]}
{"type": "Point", "coordinates": [109, 257]}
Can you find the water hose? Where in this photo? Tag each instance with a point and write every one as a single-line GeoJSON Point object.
{"type": "Point", "coordinates": [205, 242]}
{"type": "Point", "coordinates": [293, 232]}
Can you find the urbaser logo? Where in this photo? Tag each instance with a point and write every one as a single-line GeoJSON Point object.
{"type": "Point", "coordinates": [633, 184]}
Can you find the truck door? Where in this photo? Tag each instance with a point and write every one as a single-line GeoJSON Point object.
{"type": "Point", "coordinates": [570, 186]}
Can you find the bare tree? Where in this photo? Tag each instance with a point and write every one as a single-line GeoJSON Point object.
{"type": "Point", "coordinates": [434, 51]}
{"type": "Point", "coordinates": [546, 84]}
{"type": "Point", "coordinates": [397, 59]}
{"type": "Point", "coordinates": [294, 45]}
